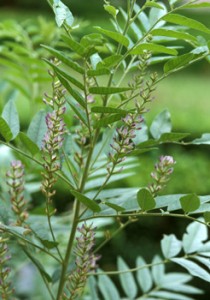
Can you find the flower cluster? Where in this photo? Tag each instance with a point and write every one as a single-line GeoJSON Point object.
{"type": "Point", "coordinates": [163, 170]}
{"type": "Point", "coordinates": [85, 261]}
{"type": "Point", "coordinates": [5, 285]}
{"type": "Point", "coordinates": [54, 136]}
{"type": "Point", "coordinates": [123, 141]}
{"type": "Point", "coordinates": [15, 180]}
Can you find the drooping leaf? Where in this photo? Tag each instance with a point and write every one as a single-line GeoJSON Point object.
{"type": "Point", "coordinates": [102, 90]}
{"type": "Point", "coordinates": [127, 280]}
{"type": "Point", "coordinates": [110, 61]}
{"type": "Point", "coordinates": [194, 238]}
{"type": "Point", "coordinates": [92, 205]}
{"type": "Point", "coordinates": [185, 21]}
{"type": "Point", "coordinates": [206, 216]}
{"type": "Point", "coordinates": [153, 4]}
{"type": "Point", "coordinates": [204, 139]}
{"type": "Point", "coordinates": [115, 206]}
{"type": "Point", "coordinates": [145, 200]}
{"type": "Point", "coordinates": [170, 246]}
{"type": "Point", "coordinates": [169, 295]}
{"type": "Point", "coordinates": [153, 48]}
{"type": "Point", "coordinates": [158, 271]}
{"type": "Point", "coordinates": [107, 288]}
{"type": "Point", "coordinates": [190, 203]}
{"type": "Point", "coordinates": [193, 268]}
{"type": "Point", "coordinates": [197, 5]}
{"type": "Point", "coordinates": [10, 115]}
{"type": "Point", "coordinates": [73, 45]}
{"type": "Point", "coordinates": [62, 14]}
{"type": "Point", "coordinates": [144, 277]}
{"type": "Point", "coordinates": [37, 128]}
{"type": "Point", "coordinates": [173, 34]}
{"type": "Point", "coordinates": [28, 143]}
{"type": "Point", "coordinates": [92, 283]}
{"type": "Point", "coordinates": [5, 131]}
{"type": "Point", "coordinates": [116, 36]}
{"type": "Point", "coordinates": [168, 137]}
{"type": "Point", "coordinates": [98, 72]}
{"type": "Point", "coordinates": [111, 10]}
{"type": "Point", "coordinates": [161, 124]}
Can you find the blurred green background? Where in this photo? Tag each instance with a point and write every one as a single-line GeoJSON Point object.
{"type": "Point", "coordinates": [186, 95]}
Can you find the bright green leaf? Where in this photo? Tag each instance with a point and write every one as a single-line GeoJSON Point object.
{"type": "Point", "coordinates": [153, 4]}
{"type": "Point", "coordinates": [28, 143]}
{"type": "Point", "coordinates": [144, 277]}
{"type": "Point", "coordinates": [10, 115]}
{"type": "Point", "coordinates": [66, 60]}
{"type": "Point", "coordinates": [170, 246]}
{"type": "Point", "coordinates": [192, 268]}
{"type": "Point", "coordinates": [145, 200]}
{"type": "Point", "coordinates": [153, 48]}
{"type": "Point", "coordinates": [108, 120]}
{"type": "Point", "coordinates": [115, 206]}
{"type": "Point", "coordinates": [190, 203]}
{"type": "Point", "coordinates": [75, 46]}
{"type": "Point", "coordinates": [116, 36]}
{"type": "Point", "coordinates": [102, 90]}
{"type": "Point", "coordinates": [5, 131]}
{"type": "Point", "coordinates": [173, 34]}
{"type": "Point", "coordinates": [107, 109]}
{"type": "Point", "coordinates": [92, 205]}
{"type": "Point", "coordinates": [185, 21]}
{"type": "Point", "coordinates": [161, 124]}
{"type": "Point", "coordinates": [206, 216]}
{"type": "Point", "coordinates": [111, 10]}
{"type": "Point", "coordinates": [127, 280]}
{"type": "Point", "coordinates": [170, 137]}
{"type": "Point", "coordinates": [37, 128]}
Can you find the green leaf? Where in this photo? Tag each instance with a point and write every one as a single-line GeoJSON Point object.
{"type": "Point", "coordinates": [153, 4]}
{"type": "Point", "coordinates": [116, 36]}
{"type": "Point", "coordinates": [78, 111]}
{"type": "Point", "coordinates": [205, 139]}
{"type": "Point", "coordinates": [194, 238]}
{"type": "Point", "coordinates": [48, 244]}
{"type": "Point", "coordinates": [98, 72]}
{"type": "Point", "coordinates": [111, 10]}
{"type": "Point", "coordinates": [66, 60]}
{"type": "Point", "coordinates": [115, 206]}
{"type": "Point", "coordinates": [68, 77]}
{"type": "Point", "coordinates": [192, 268]}
{"type": "Point", "coordinates": [107, 109]}
{"type": "Point", "coordinates": [93, 287]}
{"type": "Point", "coordinates": [174, 34]}
{"type": "Point", "coordinates": [143, 275]}
{"type": "Point", "coordinates": [185, 21]}
{"type": "Point", "coordinates": [37, 128]}
{"type": "Point", "coordinates": [38, 265]}
{"type": "Point", "coordinates": [74, 93]}
{"type": "Point", "coordinates": [107, 120]}
{"type": "Point", "coordinates": [5, 131]}
{"type": "Point", "coordinates": [170, 246]}
{"type": "Point", "coordinates": [168, 137]}
{"type": "Point", "coordinates": [185, 60]}
{"type": "Point", "coordinates": [102, 90]}
{"type": "Point", "coordinates": [28, 143]}
{"type": "Point", "coordinates": [75, 46]}
{"type": "Point", "coordinates": [110, 61]}
{"type": "Point", "coordinates": [190, 203]}
{"type": "Point", "coordinates": [145, 200]}
{"type": "Point", "coordinates": [127, 280]}
{"type": "Point", "coordinates": [62, 14]}
{"type": "Point", "coordinates": [153, 48]}
{"type": "Point", "coordinates": [161, 124]}
{"type": "Point", "coordinates": [107, 288]}
{"type": "Point", "coordinates": [169, 295]}
{"type": "Point", "coordinates": [10, 115]}
{"type": "Point", "coordinates": [206, 216]}
{"type": "Point", "coordinates": [158, 273]}
{"type": "Point", "coordinates": [197, 5]}
{"type": "Point", "coordinates": [92, 205]}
